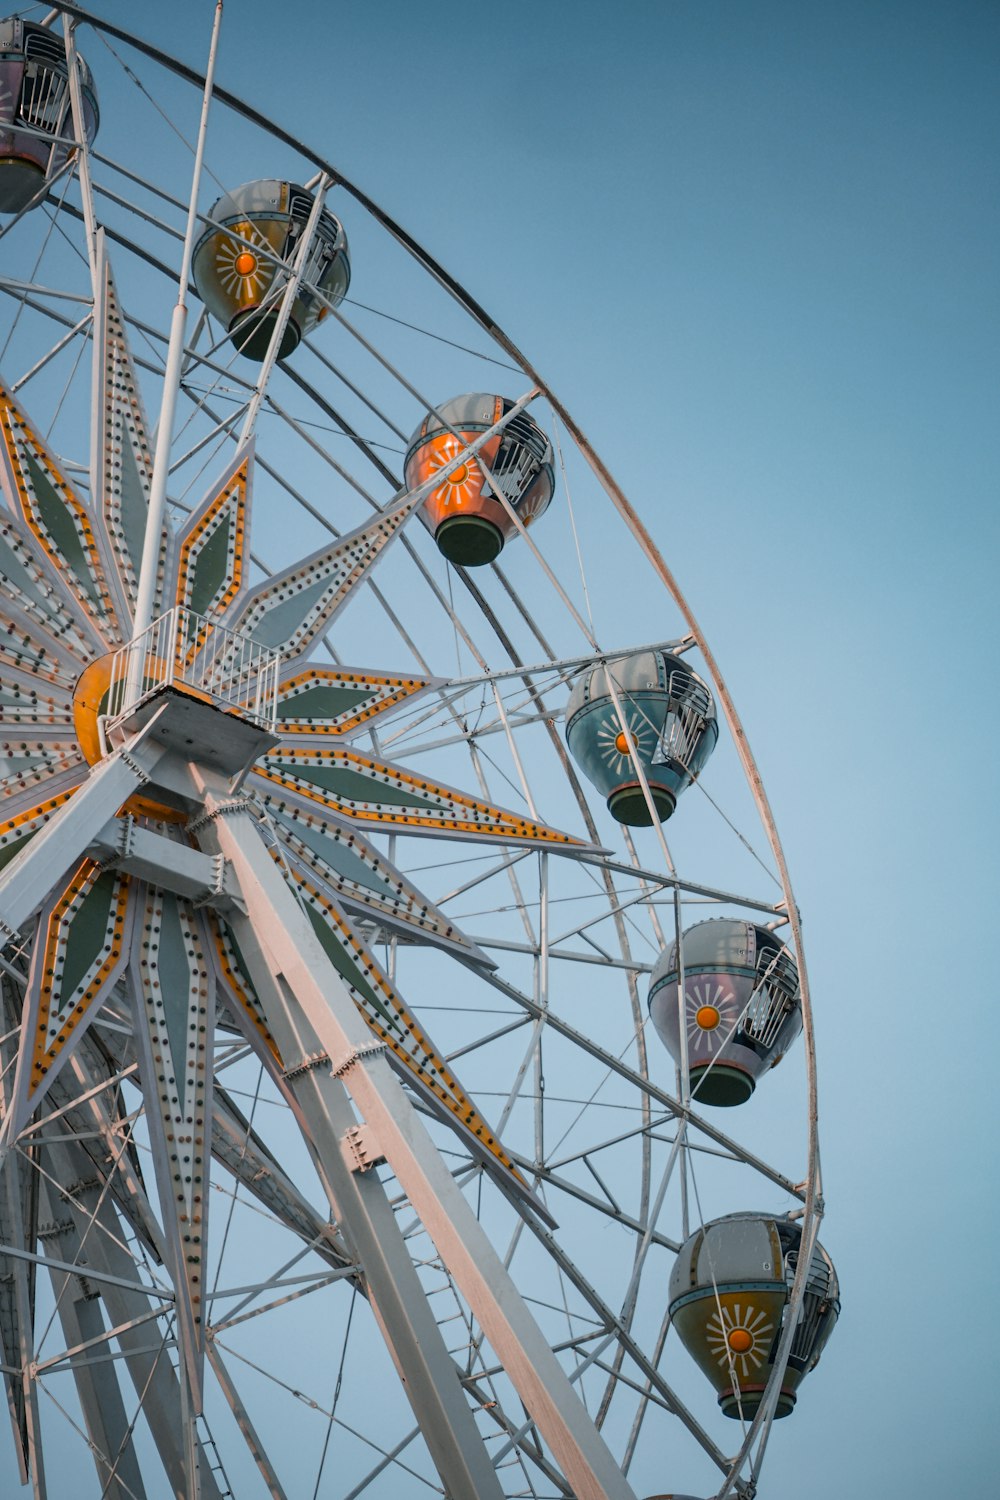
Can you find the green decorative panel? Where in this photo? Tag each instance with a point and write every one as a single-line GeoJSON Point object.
{"type": "Point", "coordinates": [82, 951]}
{"type": "Point", "coordinates": [291, 610]}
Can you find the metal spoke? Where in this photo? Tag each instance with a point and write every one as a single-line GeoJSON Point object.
{"type": "Point", "coordinates": [425, 1135]}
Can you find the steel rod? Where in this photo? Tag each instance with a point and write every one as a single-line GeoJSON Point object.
{"type": "Point", "coordinates": [149, 567]}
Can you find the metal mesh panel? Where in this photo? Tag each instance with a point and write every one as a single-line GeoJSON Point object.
{"type": "Point", "coordinates": [689, 710]}
{"type": "Point", "coordinates": [816, 1306]}
{"type": "Point", "coordinates": [43, 98]}
{"type": "Point", "coordinates": [775, 993]}
{"type": "Point", "coordinates": [523, 451]}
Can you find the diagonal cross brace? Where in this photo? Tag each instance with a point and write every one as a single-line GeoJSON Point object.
{"type": "Point", "coordinates": [35, 872]}
{"type": "Point", "coordinates": [300, 967]}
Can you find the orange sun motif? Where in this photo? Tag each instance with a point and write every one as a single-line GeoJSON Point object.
{"type": "Point", "coordinates": [612, 741]}
{"type": "Point", "coordinates": [239, 270]}
{"type": "Point", "coordinates": [741, 1334]}
{"type": "Point", "coordinates": [464, 483]}
{"type": "Point", "coordinates": [710, 1011]}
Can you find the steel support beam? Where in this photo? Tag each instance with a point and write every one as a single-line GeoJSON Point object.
{"type": "Point", "coordinates": [23, 1302]}
{"type": "Point", "coordinates": [123, 844]}
{"type": "Point", "coordinates": [366, 1220]}
{"type": "Point", "coordinates": [96, 1239]}
{"type": "Point", "coordinates": [53, 851]}
{"type": "Point", "coordinates": [243, 1422]}
{"type": "Point", "coordinates": [307, 995]}
{"type": "Point", "coordinates": [96, 1384]}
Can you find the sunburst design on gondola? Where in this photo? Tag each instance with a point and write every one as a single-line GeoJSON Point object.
{"type": "Point", "coordinates": [464, 483]}
{"type": "Point", "coordinates": [740, 1334]}
{"type": "Point", "coordinates": [68, 570]}
{"type": "Point", "coordinates": [240, 269]}
{"type": "Point", "coordinates": [709, 1013]}
{"type": "Point", "coordinates": [612, 742]}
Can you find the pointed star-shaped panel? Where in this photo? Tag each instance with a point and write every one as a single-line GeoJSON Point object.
{"type": "Point", "coordinates": [69, 569]}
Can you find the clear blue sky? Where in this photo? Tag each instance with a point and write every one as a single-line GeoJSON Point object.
{"type": "Point", "coordinates": [754, 248]}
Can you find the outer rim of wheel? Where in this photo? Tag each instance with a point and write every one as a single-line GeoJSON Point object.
{"type": "Point", "coordinates": [813, 1202]}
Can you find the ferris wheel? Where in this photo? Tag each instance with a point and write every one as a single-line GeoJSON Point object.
{"type": "Point", "coordinates": [398, 944]}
